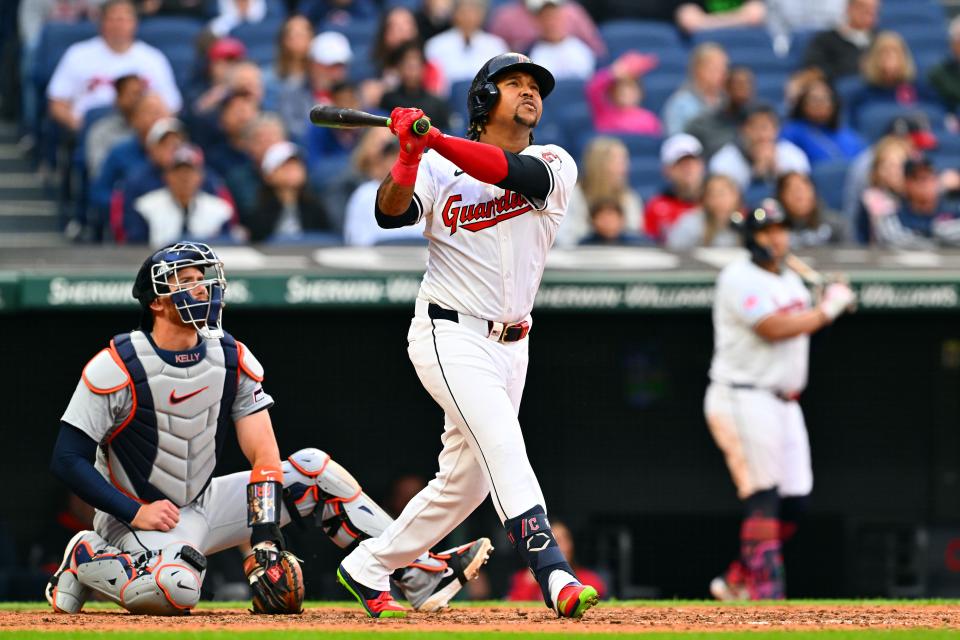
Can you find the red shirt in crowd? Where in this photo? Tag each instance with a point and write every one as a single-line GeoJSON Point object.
{"type": "Point", "coordinates": [662, 212]}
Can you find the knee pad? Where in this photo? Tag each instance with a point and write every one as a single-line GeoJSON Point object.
{"type": "Point", "coordinates": [171, 586]}
{"type": "Point", "coordinates": [345, 513]}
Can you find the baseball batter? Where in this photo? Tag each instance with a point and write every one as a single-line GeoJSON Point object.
{"type": "Point", "coordinates": [140, 440]}
{"type": "Point", "coordinates": [492, 206]}
{"type": "Point", "coordinates": [762, 318]}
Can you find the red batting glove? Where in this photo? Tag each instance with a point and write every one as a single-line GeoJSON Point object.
{"type": "Point", "coordinates": [404, 170]}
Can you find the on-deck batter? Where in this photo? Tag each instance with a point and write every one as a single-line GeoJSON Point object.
{"type": "Point", "coordinates": [762, 321]}
{"type": "Point", "coordinates": [492, 206]}
{"type": "Point", "coordinates": [140, 440]}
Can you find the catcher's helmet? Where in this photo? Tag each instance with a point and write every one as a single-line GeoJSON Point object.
{"type": "Point", "coordinates": [153, 281]}
{"type": "Point", "coordinates": [483, 91]}
{"type": "Point", "coordinates": [769, 213]}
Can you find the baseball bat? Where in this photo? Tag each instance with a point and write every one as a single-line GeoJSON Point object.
{"type": "Point", "coordinates": [813, 277]}
{"type": "Point", "coordinates": [809, 275]}
{"type": "Point", "coordinates": [324, 115]}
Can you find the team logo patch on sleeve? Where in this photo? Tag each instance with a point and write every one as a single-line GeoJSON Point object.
{"type": "Point", "coordinates": [258, 394]}
{"type": "Point", "coordinates": [552, 159]}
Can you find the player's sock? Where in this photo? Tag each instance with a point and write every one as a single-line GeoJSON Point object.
{"type": "Point", "coordinates": [533, 539]}
{"type": "Point", "coordinates": [761, 548]}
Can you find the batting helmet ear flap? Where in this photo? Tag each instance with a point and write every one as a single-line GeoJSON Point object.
{"type": "Point", "coordinates": [485, 97]}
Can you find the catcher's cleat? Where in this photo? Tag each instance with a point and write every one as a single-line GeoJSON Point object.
{"type": "Point", "coordinates": [64, 591]}
{"type": "Point", "coordinates": [377, 604]}
{"type": "Point", "coordinates": [732, 585]}
{"type": "Point", "coordinates": [574, 600]}
{"type": "Point", "coordinates": [430, 588]}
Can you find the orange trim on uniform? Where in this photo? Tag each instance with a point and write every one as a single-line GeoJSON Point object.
{"type": "Point", "coordinates": [133, 397]}
{"type": "Point", "coordinates": [116, 358]}
{"type": "Point", "coordinates": [304, 471]}
{"type": "Point", "coordinates": [242, 366]}
{"type": "Point", "coordinates": [312, 491]}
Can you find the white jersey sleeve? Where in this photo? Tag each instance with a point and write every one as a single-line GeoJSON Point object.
{"type": "Point", "coordinates": [251, 396]}
{"type": "Point", "coordinates": [747, 299]}
{"type": "Point", "coordinates": [563, 178]}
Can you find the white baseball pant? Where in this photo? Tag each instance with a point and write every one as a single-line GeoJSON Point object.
{"type": "Point", "coordinates": [763, 439]}
{"type": "Point", "coordinates": [478, 382]}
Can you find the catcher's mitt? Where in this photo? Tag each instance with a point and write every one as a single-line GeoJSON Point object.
{"type": "Point", "coordinates": [276, 580]}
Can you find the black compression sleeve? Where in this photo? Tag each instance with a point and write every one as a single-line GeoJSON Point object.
{"type": "Point", "coordinates": [72, 462]}
{"type": "Point", "coordinates": [527, 175]}
{"type": "Point", "coordinates": [409, 217]}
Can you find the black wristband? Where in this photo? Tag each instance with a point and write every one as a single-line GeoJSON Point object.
{"type": "Point", "coordinates": [266, 533]}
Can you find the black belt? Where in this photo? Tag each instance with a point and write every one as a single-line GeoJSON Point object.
{"type": "Point", "coordinates": [510, 333]}
{"type": "Point", "coordinates": [782, 395]}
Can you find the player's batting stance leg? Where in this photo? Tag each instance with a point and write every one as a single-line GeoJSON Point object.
{"type": "Point", "coordinates": [493, 205]}
{"type": "Point", "coordinates": [762, 321]}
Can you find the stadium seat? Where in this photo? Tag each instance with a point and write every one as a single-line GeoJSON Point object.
{"type": "Point", "coordinates": [671, 61]}
{"type": "Point", "coordinates": [645, 171]}
{"type": "Point", "coordinates": [736, 38]}
{"type": "Point", "coordinates": [183, 59]}
{"type": "Point", "coordinates": [642, 146]}
{"type": "Point", "coordinates": [875, 119]}
{"type": "Point", "coordinates": [356, 31]}
{"type": "Point", "coordinates": [895, 15]}
{"type": "Point", "coordinates": [658, 87]}
{"type": "Point", "coordinates": [829, 178]}
{"type": "Point", "coordinates": [641, 35]}
{"type": "Point", "coordinates": [258, 34]}
{"type": "Point", "coordinates": [55, 39]}
{"type": "Point", "coordinates": [163, 31]}
{"type": "Point", "coordinates": [458, 97]}
{"type": "Point", "coordinates": [769, 87]}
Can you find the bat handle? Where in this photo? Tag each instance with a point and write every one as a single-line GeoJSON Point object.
{"type": "Point", "coordinates": [421, 127]}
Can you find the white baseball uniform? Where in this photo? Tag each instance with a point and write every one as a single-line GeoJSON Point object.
{"type": "Point", "coordinates": [487, 251]}
{"type": "Point", "coordinates": [751, 405]}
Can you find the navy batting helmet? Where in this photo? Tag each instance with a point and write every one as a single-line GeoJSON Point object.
{"type": "Point", "coordinates": [158, 276]}
{"type": "Point", "coordinates": [483, 92]}
{"type": "Point", "coordinates": [769, 213]}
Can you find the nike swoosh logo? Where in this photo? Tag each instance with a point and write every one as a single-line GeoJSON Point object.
{"type": "Point", "coordinates": [183, 586]}
{"type": "Point", "coordinates": [447, 572]}
{"type": "Point", "coordinates": [457, 172]}
{"type": "Point", "coordinates": [175, 399]}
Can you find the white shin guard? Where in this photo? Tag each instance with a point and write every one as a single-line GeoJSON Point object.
{"type": "Point", "coordinates": [348, 515]}
{"type": "Point", "coordinates": [155, 583]}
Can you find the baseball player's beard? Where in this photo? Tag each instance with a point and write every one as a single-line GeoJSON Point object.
{"type": "Point", "coordinates": [525, 119]}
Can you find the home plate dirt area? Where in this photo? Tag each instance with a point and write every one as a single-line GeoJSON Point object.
{"type": "Point", "coordinates": [609, 618]}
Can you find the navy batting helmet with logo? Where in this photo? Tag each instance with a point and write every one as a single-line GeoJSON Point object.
{"type": "Point", "coordinates": [483, 92]}
{"type": "Point", "coordinates": [769, 213]}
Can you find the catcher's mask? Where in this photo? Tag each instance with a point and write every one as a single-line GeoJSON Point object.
{"type": "Point", "coordinates": [159, 276]}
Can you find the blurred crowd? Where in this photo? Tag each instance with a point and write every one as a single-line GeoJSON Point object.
{"type": "Point", "coordinates": [169, 119]}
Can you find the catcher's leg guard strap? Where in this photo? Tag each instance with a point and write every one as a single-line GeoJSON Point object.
{"type": "Point", "coordinates": [346, 514]}
{"type": "Point", "coordinates": [533, 539]}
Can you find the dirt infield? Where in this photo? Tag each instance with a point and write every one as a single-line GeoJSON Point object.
{"type": "Point", "coordinates": [511, 618]}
